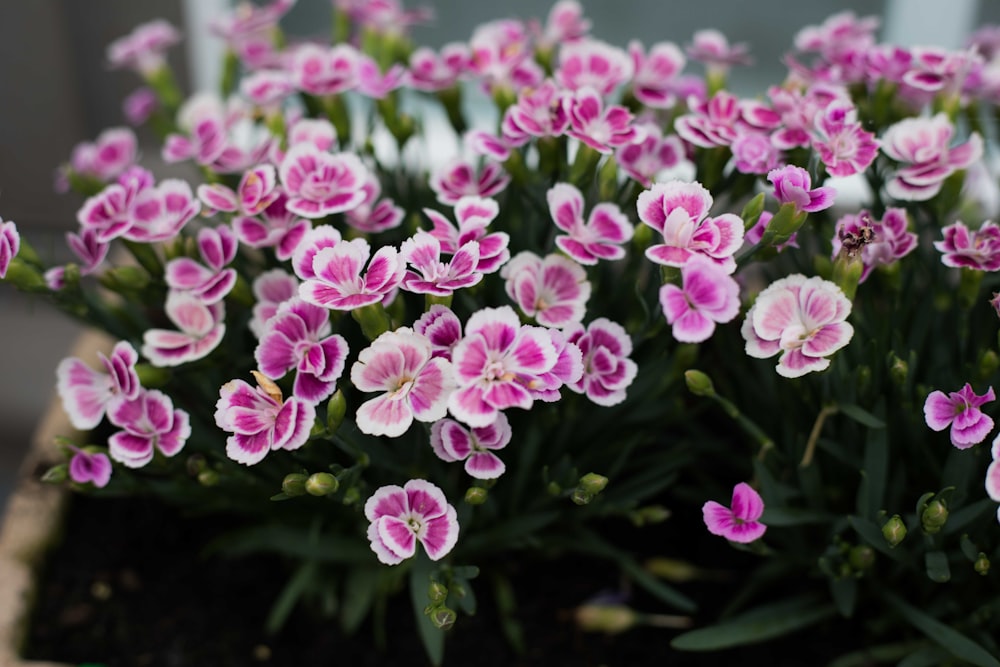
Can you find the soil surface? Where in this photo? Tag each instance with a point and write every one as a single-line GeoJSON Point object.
{"type": "Point", "coordinates": [146, 596]}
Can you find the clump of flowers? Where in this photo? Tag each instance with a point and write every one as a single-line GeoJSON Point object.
{"type": "Point", "coordinates": [551, 333]}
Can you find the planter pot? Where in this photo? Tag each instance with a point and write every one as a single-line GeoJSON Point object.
{"type": "Point", "coordinates": [31, 523]}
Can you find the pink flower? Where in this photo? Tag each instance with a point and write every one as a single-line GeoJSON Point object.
{"type": "Point", "coordinates": [260, 421]}
{"type": "Point", "coordinates": [211, 281]}
{"type": "Point", "coordinates": [431, 275]}
{"type": "Point", "coordinates": [298, 337]}
{"type": "Point", "coordinates": [431, 71]}
{"type": "Point", "coordinates": [315, 239]}
{"type": "Point", "coordinates": [803, 319]}
{"type": "Point", "coordinates": [267, 88]}
{"type": "Point", "coordinates": [271, 289]}
{"type": "Point", "coordinates": [539, 112]}
{"type": "Point", "coordinates": [274, 227]}
{"type": "Point", "coordinates": [975, 249]}
{"type": "Point", "coordinates": [149, 422]}
{"type": "Point", "coordinates": [644, 160]}
{"type": "Point", "coordinates": [108, 213]}
{"type": "Point", "coordinates": [341, 283]}
{"type": "Point", "coordinates": [565, 24]}
{"type": "Point", "coordinates": [481, 143]}
{"type": "Point", "coordinates": [93, 467]}
{"type": "Point", "coordinates": [553, 291]}
{"type": "Point", "coordinates": [607, 370]}
{"type": "Point", "coordinates": [320, 70]}
{"type": "Point", "coordinates": [374, 215]}
{"type": "Point", "coordinates": [590, 63]}
{"type": "Point", "coordinates": [107, 157]}
{"type": "Point", "coordinates": [200, 330]}
{"type": "Point", "coordinates": [890, 239]}
{"type": "Point", "coordinates": [319, 183]}
{"type": "Point", "coordinates": [460, 179]}
{"type": "Point", "coordinates": [249, 28]}
{"type": "Point", "coordinates": [400, 517]}
{"type": "Point", "coordinates": [87, 394]}
{"type": "Point", "coordinates": [843, 146]}
{"type": "Point", "coordinates": [741, 523]}
{"type": "Point", "coordinates": [139, 105]}
{"type": "Point", "coordinates": [442, 328]}
{"type": "Point", "coordinates": [653, 84]}
{"type": "Point", "coordinates": [453, 442]}
{"type": "Point", "coordinates": [10, 244]}
{"type": "Point", "coordinates": [500, 55]}
{"type": "Point", "coordinates": [256, 191]}
{"type": "Point", "coordinates": [713, 49]}
{"type": "Point", "coordinates": [88, 248]}
{"type": "Point", "coordinates": [221, 136]}
{"type": "Point", "coordinates": [960, 410]}
{"type": "Point", "coordinates": [497, 363]}
{"type": "Point", "coordinates": [600, 237]}
{"type": "Point", "coordinates": [679, 212]}
{"type": "Point", "coordinates": [473, 214]}
{"type": "Point", "coordinates": [373, 82]}
{"type": "Point", "coordinates": [159, 213]}
{"type": "Point", "coordinates": [708, 295]}
{"type": "Point", "coordinates": [416, 385]}
{"type": "Point", "coordinates": [143, 49]}
{"type": "Point", "coordinates": [924, 144]}
{"type": "Point", "coordinates": [754, 153]}
{"type": "Point", "coordinates": [993, 475]}
{"type": "Point", "coordinates": [711, 123]}
{"type": "Point", "coordinates": [792, 185]}
{"type": "Point", "coordinates": [603, 129]}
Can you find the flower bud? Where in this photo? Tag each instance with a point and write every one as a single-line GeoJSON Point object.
{"type": "Point", "coordinates": [698, 383]}
{"type": "Point", "coordinates": [294, 484]}
{"type": "Point", "coordinates": [988, 363]}
{"type": "Point", "coordinates": [195, 464]}
{"type": "Point", "coordinates": [443, 618]}
{"type": "Point", "coordinates": [894, 530]}
{"type": "Point", "coordinates": [898, 369]}
{"type": "Point", "coordinates": [373, 319]}
{"type": "Point", "coordinates": [610, 619]}
{"type": "Point", "coordinates": [607, 179]}
{"type": "Point", "coordinates": [649, 515]}
{"type": "Point", "coordinates": [25, 277]}
{"type": "Point", "coordinates": [581, 496]}
{"type": "Point", "coordinates": [123, 279]}
{"type": "Point", "coordinates": [352, 496]}
{"type": "Point", "coordinates": [437, 593]}
{"type": "Point", "coordinates": [336, 408]}
{"type": "Point", "coordinates": [934, 516]}
{"type": "Point", "coordinates": [671, 569]}
{"type": "Point", "coordinates": [321, 484]}
{"type": "Point", "coordinates": [861, 557]}
{"type": "Point", "coordinates": [208, 477]}
{"type": "Point", "coordinates": [56, 474]}
{"type": "Point", "coordinates": [783, 224]}
{"type": "Point", "coordinates": [476, 495]}
{"type": "Point", "coordinates": [553, 489]}
{"type": "Point", "coordinates": [751, 212]}
{"type": "Point", "coordinates": [982, 565]}
{"type": "Point", "coordinates": [593, 483]}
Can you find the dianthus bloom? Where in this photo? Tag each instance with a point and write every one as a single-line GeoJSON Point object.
{"type": "Point", "coordinates": [600, 237]}
{"type": "Point", "coordinates": [149, 422]}
{"type": "Point", "coordinates": [740, 522]}
{"type": "Point", "coordinates": [890, 239]}
{"type": "Point", "coordinates": [707, 295]}
{"type": "Point", "coordinates": [960, 410]}
{"type": "Point", "coordinates": [553, 290]}
{"type": "Point", "coordinates": [605, 347]}
{"type": "Point", "coordinates": [924, 146]}
{"type": "Point", "coordinates": [86, 394]}
{"type": "Point", "coordinates": [93, 467]}
{"type": "Point", "coordinates": [453, 442]}
{"type": "Point", "coordinates": [802, 318]}
{"type": "Point", "coordinates": [974, 249]}
{"type": "Point", "coordinates": [320, 183]}
{"type": "Point", "coordinates": [993, 475]}
{"type": "Point", "coordinates": [792, 185]}
{"type": "Point", "coordinates": [402, 516]}
{"type": "Point", "coordinates": [341, 283]}
{"type": "Point", "coordinates": [10, 243]}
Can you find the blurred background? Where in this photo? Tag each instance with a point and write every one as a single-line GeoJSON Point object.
{"type": "Point", "coordinates": [58, 91]}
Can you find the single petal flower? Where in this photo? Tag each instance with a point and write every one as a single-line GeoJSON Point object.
{"type": "Point", "coordinates": [430, 274]}
{"type": "Point", "coordinates": [453, 442]}
{"type": "Point", "coordinates": [159, 213]}
{"type": "Point", "coordinates": [149, 423]}
{"type": "Point", "coordinates": [739, 522]}
{"type": "Point", "coordinates": [402, 516]}
{"type": "Point", "coordinates": [707, 295]}
{"type": "Point", "coordinates": [87, 394]}
{"type": "Point", "coordinates": [974, 249]}
{"type": "Point", "coordinates": [90, 467]}
{"type": "Point", "coordinates": [601, 236]}
{"type": "Point", "coordinates": [319, 183]}
{"type": "Point", "coordinates": [459, 179]}
{"type": "Point", "coordinates": [341, 281]}
{"type": "Point", "coordinates": [961, 411]}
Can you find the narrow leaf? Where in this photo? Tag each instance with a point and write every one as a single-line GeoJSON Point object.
{"type": "Point", "coordinates": [936, 563]}
{"type": "Point", "coordinates": [431, 637]}
{"type": "Point", "coordinates": [758, 625]}
{"type": "Point", "coordinates": [359, 595]}
{"type": "Point", "coordinates": [845, 595]}
{"type": "Point", "coordinates": [861, 415]}
{"type": "Point", "coordinates": [793, 516]}
{"type": "Point", "coordinates": [951, 640]}
{"type": "Point", "coordinates": [302, 580]}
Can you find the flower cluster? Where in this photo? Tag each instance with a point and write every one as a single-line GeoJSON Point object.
{"type": "Point", "coordinates": [492, 339]}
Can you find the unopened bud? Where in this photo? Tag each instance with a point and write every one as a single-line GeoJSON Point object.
{"type": "Point", "coordinates": [671, 569]}
{"type": "Point", "coordinates": [476, 495]}
{"type": "Point", "coordinates": [208, 477]}
{"type": "Point", "coordinates": [443, 618]}
{"type": "Point", "coordinates": [934, 516]}
{"type": "Point", "coordinates": [294, 484]}
{"type": "Point", "coordinates": [553, 489]}
{"type": "Point", "coordinates": [610, 619]}
{"type": "Point", "coordinates": [593, 483]}
{"type": "Point", "coordinates": [648, 515]}
{"type": "Point", "coordinates": [352, 496]}
{"type": "Point", "coordinates": [25, 277]}
{"type": "Point", "coordinates": [126, 278]}
{"type": "Point", "coordinates": [898, 369]}
{"type": "Point", "coordinates": [751, 212]}
{"type": "Point", "coordinates": [56, 474]}
{"type": "Point", "coordinates": [894, 530]}
{"type": "Point", "coordinates": [373, 319]}
{"type": "Point", "coordinates": [982, 564]}
{"type": "Point", "coordinates": [336, 408]}
{"type": "Point", "coordinates": [989, 363]}
{"type": "Point", "coordinates": [581, 496]}
{"type": "Point", "coordinates": [321, 484]}
{"type": "Point", "coordinates": [195, 464]}
{"type": "Point", "coordinates": [861, 557]}
{"type": "Point", "coordinates": [437, 593]}
{"type": "Point", "coordinates": [698, 383]}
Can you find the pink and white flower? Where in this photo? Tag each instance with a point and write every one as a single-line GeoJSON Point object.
{"type": "Point", "coordinates": [222, 136]}
{"type": "Point", "coordinates": [200, 329]}
{"type": "Point", "coordinates": [87, 247]}
{"type": "Point", "coordinates": [315, 239]}
{"type": "Point", "coordinates": [87, 394]}
{"type": "Point", "coordinates": [442, 328]}
{"type": "Point", "coordinates": [554, 290]}
{"type": "Point", "coordinates": [256, 191]}
{"type": "Point", "coordinates": [89, 467]}
{"type": "Point", "coordinates": [712, 123]}
{"type": "Point", "coordinates": [416, 385]}
{"type": "Point", "coordinates": [459, 179]}
{"type": "Point", "coordinates": [539, 112]}
{"type": "Point", "coordinates": [299, 337]}
{"type": "Point", "coordinates": [432, 71]}
{"type": "Point", "coordinates": [590, 63]}
{"type": "Point", "coordinates": [655, 72]}
{"type": "Point", "coordinates": [961, 411]}
{"type": "Point", "coordinates": [565, 24]}
{"type": "Point", "coordinates": [891, 241]}
{"type": "Point", "coordinates": [644, 160]}
{"type": "Point", "coordinates": [341, 281]}
{"type": "Point", "coordinates": [402, 516]}
{"type": "Point", "coordinates": [600, 237]}
{"type": "Point", "coordinates": [106, 157]}
{"type": "Point", "coordinates": [260, 421]}
{"type": "Point", "coordinates": [270, 290]}
{"type": "Point", "coordinates": [320, 70]}
{"type": "Point", "coordinates": [607, 369]}
{"type": "Point", "coordinates": [679, 212]}
{"type": "Point", "coordinates": [210, 281]}
{"type": "Point", "coordinates": [159, 213]}
{"type": "Point", "coordinates": [149, 423]}
{"type": "Point", "coordinates": [975, 249]}
{"type": "Point", "coordinates": [139, 105]}
{"type": "Point", "coordinates": [10, 245]}
{"type": "Point", "coordinates": [497, 364]}
{"type": "Point", "coordinates": [707, 295]}
{"type": "Point", "coordinates": [473, 214]}
{"type": "Point", "coordinates": [319, 183]}
{"type": "Point", "coordinates": [274, 227]}
{"type": "Point", "coordinates": [453, 442]}
{"type": "Point", "coordinates": [793, 185]}
{"type": "Point", "coordinates": [993, 475]}
{"type": "Point", "coordinates": [143, 49]}
{"type": "Point", "coordinates": [843, 145]}
{"type": "Point", "coordinates": [754, 153]}
{"type": "Point", "coordinates": [924, 145]}
{"type": "Point", "coordinates": [741, 521]}
{"type": "Point", "coordinates": [602, 128]}
{"type": "Point", "coordinates": [429, 274]}
{"type": "Point", "coordinates": [803, 319]}
{"type": "Point", "coordinates": [713, 49]}
{"type": "Point", "coordinates": [374, 215]}
{"type": "Point", "coordinates": [501, 55]}
{"type": "Point", "coordinates": [108, 213]}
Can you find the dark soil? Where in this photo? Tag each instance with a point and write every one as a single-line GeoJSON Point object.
{"type": "Point", "coordinates": [129, 586]}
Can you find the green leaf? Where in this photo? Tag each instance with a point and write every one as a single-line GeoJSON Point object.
{"type": "Point", "coordinates": [931, 656]}
{"type": "Point", "coordinates": [793, 516]}
{"type": "Point", "coordinates": [951, 640]}
{"type": "Point", "coordinates": [431, 637]}
{"type": "Point", "coordinates": [845, 595]}
{"type": "Point", "coordinates": [866, 657]}
{"type": "Point", "coordinates": [291, 541]}
{"type": "Point", "coordinates": [302, 580]}
{"type": "Point", "coordinates": [871, 493]}
{"type": "Point", "coordinates": [969, 548]}
{"type": "Point", "coordinates": [861, 415]}
{"type": "Point", "coordinates": [359, 595]}
{"type": "Point", "coordinates": [936, 563]}
{"type": "Point", "coordinates": [961, 518]}
{"type": "Point", "coordinates": [757, 625]}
